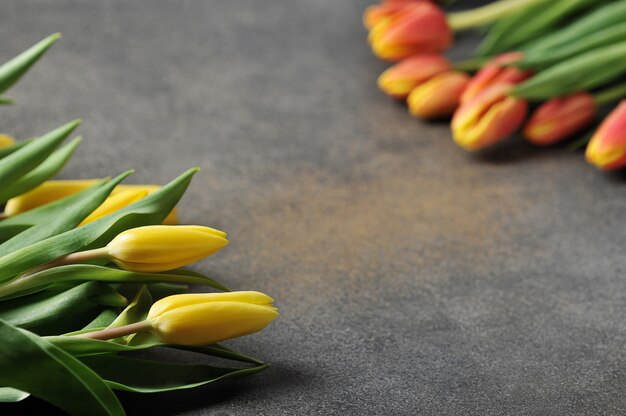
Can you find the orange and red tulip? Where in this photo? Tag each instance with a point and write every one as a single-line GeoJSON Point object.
{"type": "Point", "coordinates": [561, 118]}
{"type": "Point", "coordinates": [495, 72]}
{"type": "Point", "coordinates": [400, 79]}
{"type": "Point", "coordinates": [386, 9]}
{"type": "Point", "coordinates": [488, 118]}
{"type": "Point", "coordinates": [439, 96]}
{"type": "Point", "coordinates": [418, 27]}
{"type": "Point", "coordinates": [607, 148]}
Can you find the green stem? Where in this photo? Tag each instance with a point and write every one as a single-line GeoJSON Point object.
{"type": "Point", "coordinates": [470, 65]}
{"type": "Point", "coordinates": [609, 95]}
{"type": "Point", "coordinates": [116, 332]}
{"type": "Point", "coordinates": [73, 258]}
{"type": "Point", "coordinates": [487, 14]}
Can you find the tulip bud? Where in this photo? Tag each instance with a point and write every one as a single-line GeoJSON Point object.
{"type": "Point", "coordinates": [6, 141]}
{"type": "Point", "coordinates": [45, 193]}
{"type": "Point", "coordinates": [560, 118]}
{"type": "Point", "coordinates": [401, 78]}
{"type": "Point", "coordinates": [607, 148]}
{"type": "Point", "coordinates": [159, 248]}
{"type": "Point", "coordinates": [495, 72]}
{"type": "Point", "coordinates": [377, 12]}
{"type": "Point", "coordinates": [417, 28]}
{"type": "Point", "coordinates": [114, 203]}
{"type": "Point", "coordinates": [439, 96]}
{"type": "Point", "coordinates": [488, 118]}
{"type": "Point", "coordinates": [207, 318]}
{"type": "Point", "coordinates": [171, 219]}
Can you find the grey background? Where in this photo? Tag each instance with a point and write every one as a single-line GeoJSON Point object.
{"type": "Point", "coordinates": [412, 278]}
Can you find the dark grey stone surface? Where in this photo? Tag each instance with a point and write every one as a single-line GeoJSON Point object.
{"type": "Point", "coordinates": [413, 278]}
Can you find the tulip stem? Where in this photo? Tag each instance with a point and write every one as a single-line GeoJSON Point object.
{"type": "Point", "coordinates": [115, 332]}
{"type": "Point", "coordinates": [481, 16]}
{"type": "Point", "coordinates": [470, 65]}
{"type": "Point", "coordinates": [73, 258]}
{"type": "Point", "coordinates": [609, 95]}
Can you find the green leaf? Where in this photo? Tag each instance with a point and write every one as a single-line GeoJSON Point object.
{"type": "Point", "coordinates": [148, 211]}
{"type": "Point", "coordinates": [50, 167]}
{"type": "Point", "coordinates": [103, 320]}
{"type": "Point", "coordinates": [13, 70]}
{"type": "Point", "coordinates": [48, 313]}
{"type": "Point", "coordinates": [5, 151]}
{"type": "Point", "coordinates": [89, 272]}
{"type": "Point", "coordinates": [580, 73]}
{"type": "Point", "coordinates": [144, 376]}
{"type": "Point", "coordinates": [82, 347]}
{"type": "Point", "coordinates": [31, 364]}
{"type": "Point", "coordinates": [7, 101]}
{"type": "Point", "coordinates": [66, 216]}
{"type": "Point", "coordinates": [9, 395]}
{"type": "Point", "coordinates": [28, 157]}
{"type": "Point", "coordinates": [137, 310]}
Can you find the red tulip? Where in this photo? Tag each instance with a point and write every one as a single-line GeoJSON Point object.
{"type": "Point", "coordinates": [607, 148]}
{"type": "Point", "coordinates": [488, 118]}
{"type": "Point", "coordinates": [560, 118]}
{"type": "Point", "coordinates": [496, 72]}
{"type": "Point", "coordinates": [439, 96]}
{"type": "Point", "coordinates": [401, 78]}
{"type": "Point", "coordinates": [417, 28]}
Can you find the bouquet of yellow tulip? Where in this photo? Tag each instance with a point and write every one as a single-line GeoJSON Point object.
{"type": "Point", "coordinates": [563, 61]}
{"type": "Point", "coordinates": [91, 269]}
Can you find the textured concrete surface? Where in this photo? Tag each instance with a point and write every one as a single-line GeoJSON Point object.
{"type": "Point", "coordinates": [413, 278]}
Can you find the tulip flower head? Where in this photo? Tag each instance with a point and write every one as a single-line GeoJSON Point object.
{"type": "Point", "coordinates": [385, 10]}
{"type": "Point", "coordinates": [6, 140]}
{"type": "Point", "coordinates": [159, 248]}
{"type": "Point", "coordinates": [207, 318]}
{"type": "Point", "coordinates": [400, 79]}
{"type": "Point", "coordinates": [488, 118]}
{"type": "Point", "coordinates": [496, 72]}
{"type": "Point", "coordinates": [560, 118]}
{"type": "Point", "coordinates": [418, 27]}
{"type": "Point", "coordinates": [439, 96]}
{"type": "Point", "coordinates": [607, 148]}
{"type": "Point", "coordinates": [114, 203]}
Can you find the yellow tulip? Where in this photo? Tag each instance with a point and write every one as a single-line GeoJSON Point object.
{"type": "Point", "coordinates": [6, 140]}
{"type": "Point", "coordinates": [115, 202]}
{"type": "Point", "coordinates": [45, 193]}
{"type": "Point", "coordinates": [158, 248]}
{"type": "Point", "coordinates": [207, 318]}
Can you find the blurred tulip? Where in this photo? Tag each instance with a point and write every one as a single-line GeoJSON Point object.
{"type": "Point", "coordinates": [439, 96]}
{"type": "Point", "coordinates": [207, 318]}
{"type": "Point", "coordinates": [159, 248]}
{"type": "Point", "coordinates": [6, 140]}
{"type": "Point", "coordinates": [495, 72]}
{"type": "Point", "coordinates": [401, 78]}
{"type": "Point", "coordinates": [488, 118]}
{"type": "Point", "coordinates": [560, 118]}
{"type": "Point", "coordinates": [46, 192]}
{"type": "Point", "coordinates": [418, 27]}
{"type": "Point", "coordinates": [386, 9]}
{"type": "Point", "coordinates": [607, 148]}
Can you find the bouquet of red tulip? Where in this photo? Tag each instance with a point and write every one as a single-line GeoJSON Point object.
{"type": "Point", "coordinates": [546, 68]}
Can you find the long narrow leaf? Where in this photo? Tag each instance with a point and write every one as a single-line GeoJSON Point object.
{"type": "Point", "coordinates": [13, 70]}
{"type": "Point", "coordinates": [50, 167]}
{"type": "Point", "coordinates": [143, 376]}
{"type": "Point", "coordinates": [31, 364]}
{"type": "Point", "coordinates": [88, 272]}
{"type": "Point", "coordinates": [28, 157]}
